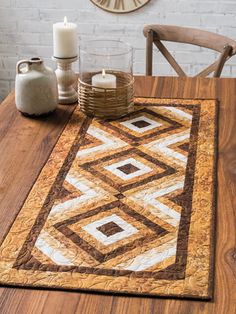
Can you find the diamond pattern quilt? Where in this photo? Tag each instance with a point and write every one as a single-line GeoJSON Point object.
{"type": "Point", "coordinates": [123, 206]}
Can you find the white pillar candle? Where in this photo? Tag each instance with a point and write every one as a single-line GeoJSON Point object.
{"type": "Point", "coordinates": [64, 40]}
{"type": "Point", "coordinates": [104, 80]}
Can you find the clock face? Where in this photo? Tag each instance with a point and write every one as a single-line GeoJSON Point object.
{"type": "Point", "coordinates": [120, 6]}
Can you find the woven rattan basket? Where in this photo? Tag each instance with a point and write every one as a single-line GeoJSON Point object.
{"type": "Point", "coordinates": [107, 103]}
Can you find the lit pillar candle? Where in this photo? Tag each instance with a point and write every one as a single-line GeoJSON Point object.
{"type": "Point", "coordinates": [104, 80]}
{"type": "Point", "coordinates": [64, 40]}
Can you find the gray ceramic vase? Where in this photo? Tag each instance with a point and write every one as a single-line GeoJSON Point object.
{"type": "Point", "coordinates": [36, 88]}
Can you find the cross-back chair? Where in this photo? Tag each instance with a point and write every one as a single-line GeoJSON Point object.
{"type": "Point", "coordinates": [155, 34]}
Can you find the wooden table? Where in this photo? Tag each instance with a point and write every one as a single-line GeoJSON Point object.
{"type": "Point", "coordinates": [25, 145]}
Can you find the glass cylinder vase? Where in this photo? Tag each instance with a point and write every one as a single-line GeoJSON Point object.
{"type": "Point", "coordinates": [106, 85]}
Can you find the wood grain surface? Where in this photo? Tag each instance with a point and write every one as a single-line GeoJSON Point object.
{"type": "Point", "coordinates": [25, 145]}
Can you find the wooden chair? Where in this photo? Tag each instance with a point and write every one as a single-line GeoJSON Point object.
{"type": "Point", "coordinates": [155, 34]}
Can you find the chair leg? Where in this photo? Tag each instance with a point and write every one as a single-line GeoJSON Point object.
{"type": "Point", "coordinates": [149, 52]}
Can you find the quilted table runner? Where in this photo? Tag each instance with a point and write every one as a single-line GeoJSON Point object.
{"type": "Point", "coordinates": [123, 206]}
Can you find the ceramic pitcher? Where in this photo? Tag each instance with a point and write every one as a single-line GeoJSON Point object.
{"type": "Point", "coordinates": [36, 88]}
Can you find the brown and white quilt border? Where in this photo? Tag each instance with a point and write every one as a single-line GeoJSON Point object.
{"type": "Point", "coordinates": [132, 165]}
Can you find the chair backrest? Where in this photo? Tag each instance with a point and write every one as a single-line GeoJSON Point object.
{"type": "Point", "coordinates": [155, 34]}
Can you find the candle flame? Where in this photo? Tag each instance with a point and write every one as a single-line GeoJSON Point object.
{"type": "Point", "coordinates": [103, 73]}
{"type": "Point", "coordinates": [65, 20]}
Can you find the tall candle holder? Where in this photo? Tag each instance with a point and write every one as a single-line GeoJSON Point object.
{"type": "Point", "coordinates": [66, 79]}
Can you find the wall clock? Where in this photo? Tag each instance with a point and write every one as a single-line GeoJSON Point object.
{"type": "Point", "coordinates": [120, 6]}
